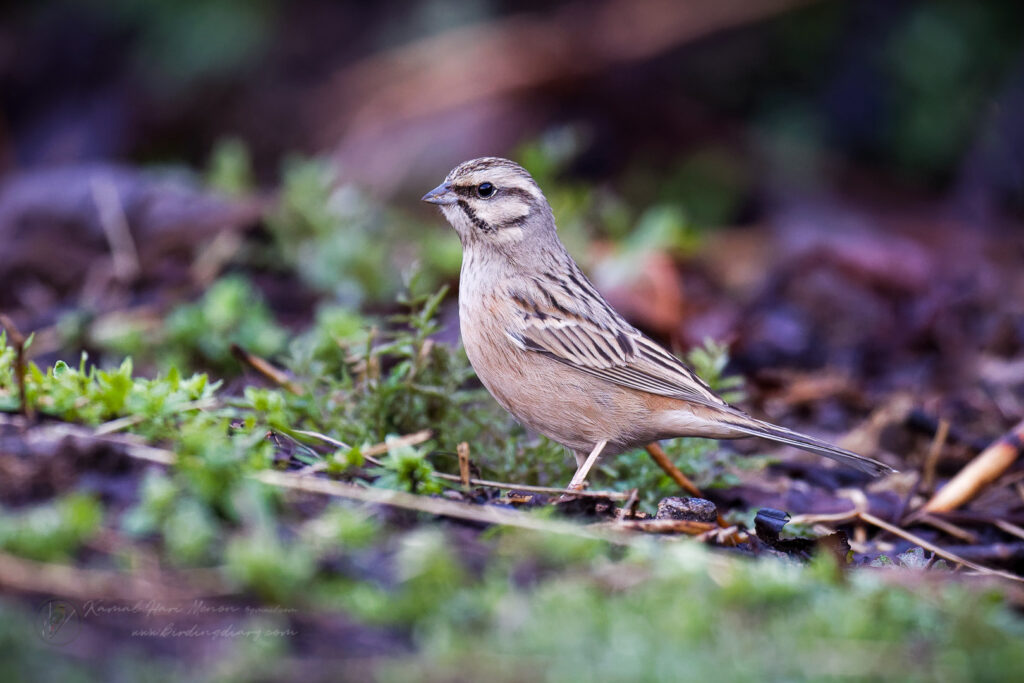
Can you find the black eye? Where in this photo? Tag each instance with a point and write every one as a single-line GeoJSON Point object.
{"type": "Point", "coordinates": [485, 190]}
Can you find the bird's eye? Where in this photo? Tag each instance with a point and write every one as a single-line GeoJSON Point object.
{"type": "Point", "coordinates": [485, 190]}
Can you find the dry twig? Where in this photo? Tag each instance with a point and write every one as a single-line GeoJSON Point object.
{"type": "Point", "coordinates": [266, 369]}
{"type": "Point", "coordinates": [659, 526]}
{"type": "Point", "coordinates": [114, 222]}
{"type": "Point", "coordinates": [487, 514]}
{"type": "Point", "coordinates": [611, 495]}
{"type": "Point", "coordinates": [948, 527]}
{"type": "Point", "coordinates": [931, 462]}
{"type": "Point", "coordinates": [1009, 528]}
{"type": "Point", "coordinates": [127, 421]}
{"type": "Point", "coordinates": [941, 552]}
{"type": "Point", "coordinates": [979, 473]}
{"type": "Point", "coordinates": [660, 458]}
{"type": "Point", "coordinates": [463, 452]}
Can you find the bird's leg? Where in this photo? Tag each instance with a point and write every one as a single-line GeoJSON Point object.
{"type": "Point", "coordinates": [583, 465]}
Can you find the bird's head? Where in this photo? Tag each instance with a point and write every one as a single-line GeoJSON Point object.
{"type": "Point", "coordinates": [493, 202]}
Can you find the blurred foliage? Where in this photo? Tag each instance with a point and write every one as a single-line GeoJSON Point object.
{"type": "Point", "coordinates": [335, 237]}
{"type": "Point", "coordinates": [582, 608]}
{"type": "Point", "coordinates": [330, 234]}
{"type": "Point", "coordinates": [710, 183]}
{"type": "Point", "coordinates": [585, 212]}
{"type": "Point", "coordinates": [944, 62]}
{"type": "Point", "coordinates": [181, 41]}
{"type": "Point", "coordinates": [51, 532]}
{"type": "Point", "coordinates": [192, 335]}
{"type": "Point", "coordinates": [715, 620]}
{"type": "Point", "coordinates": [229, 312]}
{"type": "Point", "coordinates": [230, 168]}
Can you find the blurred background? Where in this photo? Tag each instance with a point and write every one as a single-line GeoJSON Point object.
{"type": "Point", "coordinates": [830, 193]}
{"type": "Point", "coordinates": [816, 183]}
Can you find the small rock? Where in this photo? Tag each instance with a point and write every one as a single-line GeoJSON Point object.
{"type": "Point", "coordinates": [692, 509]}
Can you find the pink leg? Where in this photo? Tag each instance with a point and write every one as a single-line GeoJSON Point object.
{"type": "Point", "coordinates": [584, 464]}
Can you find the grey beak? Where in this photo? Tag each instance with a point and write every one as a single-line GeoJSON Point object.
{"type": "Point", "coordinates": [442, 194]}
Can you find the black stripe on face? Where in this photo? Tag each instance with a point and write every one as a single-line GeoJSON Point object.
{"type": "Point", "coordinates": [480, 223]}
{"type": "Point", "coordinates": [516, 222]}
{"type": "Point", "coordinates": [471, 191]}
{"type": "Point", "coordinates": [464, 190]}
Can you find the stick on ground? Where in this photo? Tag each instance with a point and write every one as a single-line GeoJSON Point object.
{"type": "Point", "coordinates": [659, 456]}
{"type": "Point", "coordinates": [18, 339]}
{"type": "Point", "coordinates": [980, 472]}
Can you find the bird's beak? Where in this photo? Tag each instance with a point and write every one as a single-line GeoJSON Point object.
{"type": "Point", "coordinates": [442, 194]}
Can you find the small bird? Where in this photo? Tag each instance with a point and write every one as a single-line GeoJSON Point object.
{"type": "Point", "coordinates": [554, 353]}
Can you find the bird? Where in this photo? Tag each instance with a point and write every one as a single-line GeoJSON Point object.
{"type": "Point", "coordinates": [555, 354]}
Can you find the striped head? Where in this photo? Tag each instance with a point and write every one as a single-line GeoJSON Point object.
{"type": "Point", "coordinates": [493, 202]}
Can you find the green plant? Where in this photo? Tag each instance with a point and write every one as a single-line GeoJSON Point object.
{"type": "Point", "coordinates": [51, 531]}
{"type": "Point", "coordinates": [230, 312]}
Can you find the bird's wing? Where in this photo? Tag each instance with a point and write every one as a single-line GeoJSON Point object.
{"type": "Point", "coordinates": [608, 348]}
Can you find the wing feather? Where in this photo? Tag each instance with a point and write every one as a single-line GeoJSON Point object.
{"type": "Point", "coordinates": [611, 350]}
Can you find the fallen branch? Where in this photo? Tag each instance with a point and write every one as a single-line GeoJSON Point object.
{"type": "Point", "coordinates": [487, 514]}
{"type": "Point", "coordinates": [611, 495]}
{"type": "Point", "coordinates": [659, 526]}
{"type": "Point", "coordinates": [941, 552]}
{"type": "Point", "coordinates": [979, 473]}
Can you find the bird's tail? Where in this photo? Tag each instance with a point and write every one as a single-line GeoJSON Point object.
{"type": "Point", "coordinates": [766, 430]}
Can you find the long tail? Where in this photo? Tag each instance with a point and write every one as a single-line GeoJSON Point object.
{"type": "Point", "coordinates": [766, 430]}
